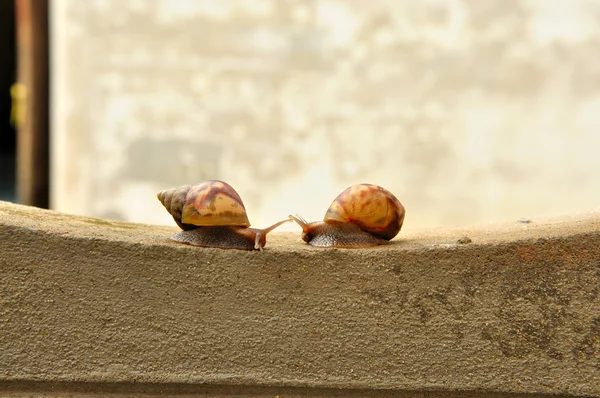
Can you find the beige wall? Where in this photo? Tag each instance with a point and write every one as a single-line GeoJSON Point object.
{"type": "Point", "coordinates": [470, 111]}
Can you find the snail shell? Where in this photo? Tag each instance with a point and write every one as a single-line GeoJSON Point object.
{"type": "Point", "coordinates": [209, 203]}
{"type": "Point", "coordinates": [372, 208]}
{"type": "Point", "coordinates": [362, 215]}
{"type": "Point", "coordinates": [212, 214]}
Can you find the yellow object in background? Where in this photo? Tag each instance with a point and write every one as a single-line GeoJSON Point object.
{"type": "Point", "coordinates": [18, 112]}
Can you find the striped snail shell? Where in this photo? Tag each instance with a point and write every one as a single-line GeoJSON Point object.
{"type": "Point", "coordinates": [212, 214]}
{"type": "Point", "coordinates": [363, 215]}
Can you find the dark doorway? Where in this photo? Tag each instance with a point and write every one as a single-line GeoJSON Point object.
{"type": "Point", "coordinates": [8, 134]}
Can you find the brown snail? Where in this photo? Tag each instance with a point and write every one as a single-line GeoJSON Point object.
{"type": "Point", "coordinates": [361, 216]}
{"type": "Point", "coordinates": [211, 214]}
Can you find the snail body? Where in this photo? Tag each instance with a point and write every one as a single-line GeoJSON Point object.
{"type": "Point", "coordinates": [212, 214]}
{"type": "Point", "coordinates": [361, 216]}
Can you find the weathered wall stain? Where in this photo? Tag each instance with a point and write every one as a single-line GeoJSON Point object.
{"type": "Point", "coordinates": [468, 111]}
{"type": "Point", "coordinates": [531, 290]}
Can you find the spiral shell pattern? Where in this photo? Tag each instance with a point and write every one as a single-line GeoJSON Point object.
{"type": "Point", "coordinates": [209, 203]}
{"type": "Point", "coordinates": [372, 208]}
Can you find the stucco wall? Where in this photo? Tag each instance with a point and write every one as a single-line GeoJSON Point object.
{"type": "Point", "coordinates": [470, 111]}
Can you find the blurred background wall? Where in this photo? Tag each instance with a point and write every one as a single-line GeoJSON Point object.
{"type": "Point", "coordinates": [469, 111]}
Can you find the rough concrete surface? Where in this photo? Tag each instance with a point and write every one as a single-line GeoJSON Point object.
{"type": "Point", "coordinates": [93, 307]}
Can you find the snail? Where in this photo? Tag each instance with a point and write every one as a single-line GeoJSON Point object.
{"type": "Point", "coordinates": [211, 214]}
{"type": "Point", "coordinates": [361, 216]}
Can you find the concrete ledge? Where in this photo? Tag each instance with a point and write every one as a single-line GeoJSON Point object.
{"type": "Point", "coordinates": [89, 302]}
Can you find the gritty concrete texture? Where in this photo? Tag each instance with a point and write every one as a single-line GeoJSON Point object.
{"type": "Point", "coordinates": [91, 306]}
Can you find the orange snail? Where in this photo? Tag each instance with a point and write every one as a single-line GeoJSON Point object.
{"type": "Point", "coordinates": [211, 214]}
{"type": "Point", "coordinates": [361, 216]}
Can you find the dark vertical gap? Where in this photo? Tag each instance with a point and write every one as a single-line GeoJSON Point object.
{"type": "Point", "coordinates": [8, 134]}
{"type": "Point", "coordinates": [32, 34]}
